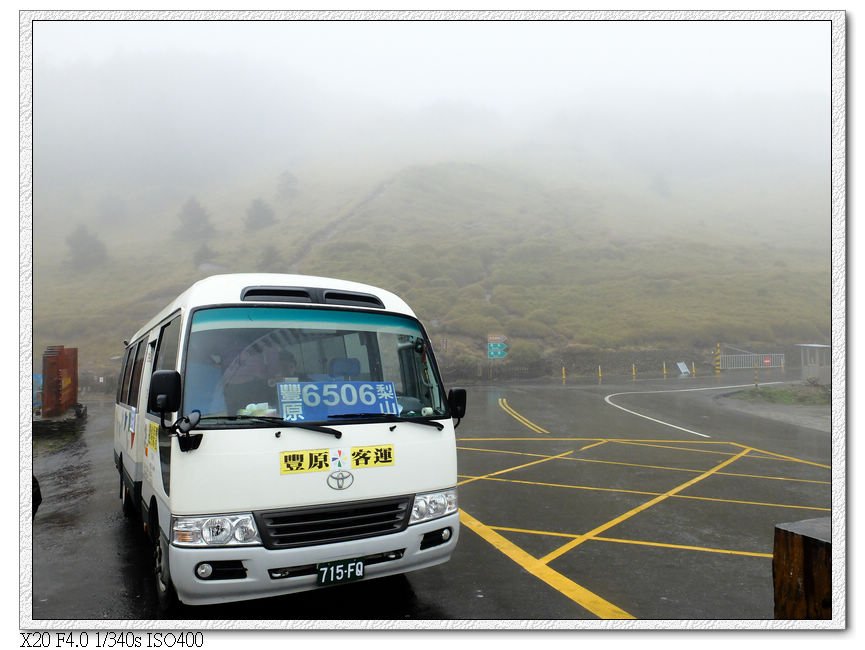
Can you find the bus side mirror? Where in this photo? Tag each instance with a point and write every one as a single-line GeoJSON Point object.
{"type": "Point", "coordinates": [164, 396]}
{"type": "Point", "coordinates": [457, 402]}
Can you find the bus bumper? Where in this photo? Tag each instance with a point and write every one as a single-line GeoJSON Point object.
{"type": "Point", "coordinates": [249, 572]}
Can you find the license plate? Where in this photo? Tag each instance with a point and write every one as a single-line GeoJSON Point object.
{"type": "Point", "coordinates": [332, 573]}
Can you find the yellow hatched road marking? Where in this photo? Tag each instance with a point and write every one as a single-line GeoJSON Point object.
{"type": "Point", "coordinates": [638, 443]}
{"type": "Point", "coordinates": [636, 542]}
{"type": "Point", "coordinates": [511, 469]}
{"type": "Point", "coordinates": [540, 568]}
{"type": "Point", "coordinates": [594, 460]}
{"type": "Point", "coordinates": [683, 547]}
{"type": "Point", "coordinates": [751, 503]}
{"type": "Point", "coordinates": [590, 488]}
{"type": "Point", "coordinates": [634, 511]}
{"type": "Point", "coordinates": [661, 467]}
{"type": "Point", "coordinates": [788, 458]}
{"type": "Point", "coordinates": [586, 438]}
{"type": "Point", "coordinates": [567, 587]}
{"type": "Point", "coordinates": [563, 485]}
{"type": "Point", "coordinates": [775, 478]}
{"type": "Point", "coordinates": [504, 451]}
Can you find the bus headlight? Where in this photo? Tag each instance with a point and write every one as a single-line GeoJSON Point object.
{"type": "Point", "coordinates": [433, 505]}
{"type": "Point", "coordinates": [219, 530]}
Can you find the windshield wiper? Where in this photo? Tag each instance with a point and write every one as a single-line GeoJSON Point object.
{"type": "Point", "coordinates": [271, 420]}
{"type": "Point", "coordinates": [388, 417]}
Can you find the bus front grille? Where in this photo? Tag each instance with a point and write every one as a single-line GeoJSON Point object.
{"type": "Point", "coordinates": [311, 526]}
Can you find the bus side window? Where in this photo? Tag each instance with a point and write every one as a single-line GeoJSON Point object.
{"type": "Point", "coordinates": [125, 375]}
{"type": "Point", "coordinates": [166, 351]}
{"type": "Point", "coordinates": [136, 373]}
{"type": "Point", "coordinates": [166, 348]}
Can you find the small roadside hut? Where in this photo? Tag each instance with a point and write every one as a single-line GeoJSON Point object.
{"type": "Point", "coordinates": [816, 363]}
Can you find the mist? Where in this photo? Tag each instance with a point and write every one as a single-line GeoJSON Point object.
{"type": "Point", "coordinates": [165, 109]}
{"type": "Point", "coordinates": [634, 129]}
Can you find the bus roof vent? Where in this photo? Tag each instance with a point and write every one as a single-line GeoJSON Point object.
{"type": "Point", "coordinates": [276, 294]}
{"type": "Point", "coordinates": [311, 295]}
{"type": "Point", "coordinates": [352, 298]}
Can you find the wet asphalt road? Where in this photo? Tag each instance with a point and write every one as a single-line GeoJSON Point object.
{"type": "Point", "coordinates": [677, 526]}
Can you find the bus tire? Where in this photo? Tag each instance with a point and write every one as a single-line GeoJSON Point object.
{"type": "Point", "coordinates": [166, 595]}
{"type": "Point", "coordinates": [128, 505]}
{"type": "Point", "coordinates": [125, 495]}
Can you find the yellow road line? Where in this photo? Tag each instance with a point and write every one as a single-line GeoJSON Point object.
{"type": "Point", "coordinates": [567, 587]}
{"type": "Point", "coordinates": [789, 458]}
{"type": "Point", "coordinates": [587, 460]}
{"type": "Point", "coordinates": [511, 469]}
{"type": "Point", "coordinates": [593, 445]}
{"type": "Point", "coordinates": [639, 443]}
{"type": "Point", "coordinates": [591, 488]}
{"type": "Point", "coordinates": [504, 451]}
{"type": "Point", "coordinates": [634, 511]}
{"type": "Point", "coordinates": [584, 460]}
{"type": "Point", "coordinates": [642, 466]}
{"type": "Point", "coordinates": [752, 503]}
{"type": "Point", "coordinates": [503, 403]}
{"type": "Point", "coordinates": [562, 485]}
{"type": "Point", "coordinates": [683, 547]}
{"type": "Point", "coordinates": [516, 439]}
{"type": "Point", "coordinates": [682, 442]}
{"type": "Point", "coordinates": [543, 533]}
{"type": "Point", "coordinates": [775, 478]}
{"type": "Point", "coordinates": [635, 542]}
{"type": "Point", "coordinates": [586, 438]}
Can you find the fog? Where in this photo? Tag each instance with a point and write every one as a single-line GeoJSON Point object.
{"type": "Point", "coordinates": [155, 111]}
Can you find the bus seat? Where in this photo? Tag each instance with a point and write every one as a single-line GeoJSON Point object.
{"type": "Point", "coordinates": [344, 368]}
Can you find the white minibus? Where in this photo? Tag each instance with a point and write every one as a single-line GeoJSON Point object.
{"type": "Point", "coordinates": [280, 433]}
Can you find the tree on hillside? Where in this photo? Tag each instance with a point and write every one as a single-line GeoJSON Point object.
{"type": "Point", "coordinates": [194, 220]}
{"type": "Point", "coordinates": [287, 186]}
{"type": "Point", "coordinates": [86, 250]}
{"type": "Point", "coordinates": [259, 215]}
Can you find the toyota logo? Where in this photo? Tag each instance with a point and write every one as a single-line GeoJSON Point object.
{"type": "Point", "coordinates": [340, 480]}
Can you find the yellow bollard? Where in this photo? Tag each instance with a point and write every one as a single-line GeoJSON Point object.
{"type": "Point", "coordinates": [693, 369]}
{"type": "Point", "coordinates": [665, 369]}
{"type": "Point", "coordinates": [564, 376]}
{"type": "Point", "coordinates": [633, 372]}
{"type": "Point", "coordinates": [600, 375]}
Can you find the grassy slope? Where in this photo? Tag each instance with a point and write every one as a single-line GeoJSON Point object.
{"type": "Point", "coordinates": [476, 249]}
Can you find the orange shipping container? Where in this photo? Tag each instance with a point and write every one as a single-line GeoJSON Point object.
{"type": "Point", "coordinates": [60, 380]}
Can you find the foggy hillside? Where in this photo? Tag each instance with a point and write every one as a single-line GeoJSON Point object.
{"type": "Point", "coordinates": [611, 221]}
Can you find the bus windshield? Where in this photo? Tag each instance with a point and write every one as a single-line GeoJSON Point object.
{"type": "Point", "coordinates": [308, 366]}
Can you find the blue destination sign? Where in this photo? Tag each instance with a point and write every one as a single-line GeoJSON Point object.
{"type": "Point", "coordinates": [312, 401]}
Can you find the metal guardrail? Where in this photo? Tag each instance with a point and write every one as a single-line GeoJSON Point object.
{"type": "Point", "coordinates": [745, 361]}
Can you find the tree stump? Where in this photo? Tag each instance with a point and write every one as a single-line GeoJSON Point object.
{"type": "Point", "coordinates": [802, 569]}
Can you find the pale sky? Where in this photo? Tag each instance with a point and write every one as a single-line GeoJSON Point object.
{"type": "Point", "coordinates": [518, 63]}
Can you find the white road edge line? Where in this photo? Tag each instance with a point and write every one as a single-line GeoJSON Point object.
{"type": "Point", "coordinates": [678, 390]}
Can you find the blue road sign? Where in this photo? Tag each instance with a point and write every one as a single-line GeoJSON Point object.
{"type": "Point", "coordinates": [497, 350]}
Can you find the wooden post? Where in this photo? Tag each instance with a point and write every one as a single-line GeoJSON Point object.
{"type": "Point", "coordinates": [802, 569]}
